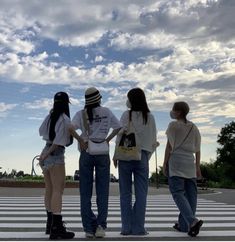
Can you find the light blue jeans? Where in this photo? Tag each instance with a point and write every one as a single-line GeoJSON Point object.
{"type": "Point", "coordinates": [87, 164]}
{"type": "Point", "coordinates": [55, 158]}
{"type": "Point", "coordinates": [133, 217]}
{"type": "Point", "coordinates": [184, 193]}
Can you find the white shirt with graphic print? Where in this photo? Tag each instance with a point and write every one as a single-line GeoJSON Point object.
{"type": "Point", "coordinates": [103, 121]}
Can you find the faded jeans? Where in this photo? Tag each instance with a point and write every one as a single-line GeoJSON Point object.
{"type": "Point", "coordinates": [184, 193]}
{"type": "Point", "coordinates": [87, 164]}
{"type": "Point", "coordinates": [133, 217]}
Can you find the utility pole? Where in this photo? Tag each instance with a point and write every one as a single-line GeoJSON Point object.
{"type": "Point", "coordinates": [156, 168]}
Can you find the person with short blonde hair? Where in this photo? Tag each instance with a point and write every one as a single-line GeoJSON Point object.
{"type": "Point", "coordinates": [182, 166]}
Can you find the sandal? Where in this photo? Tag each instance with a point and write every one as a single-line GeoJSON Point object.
{"type": "Point", "coordinates": [176, 227]}
{"type": "Point", "coordinates": [194, 230]}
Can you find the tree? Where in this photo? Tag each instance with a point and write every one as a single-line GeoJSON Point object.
{"type": "Point", "coordinates": [225, 161]}
{"type": "Point", "coordinates": [209, 171]}
{"type": "Point", "coordinates": [20, 174]}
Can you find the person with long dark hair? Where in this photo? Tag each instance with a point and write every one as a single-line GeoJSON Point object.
{"type": "Point", "coordinates": [182, 166]}
{"type": "Point", "coordinates": [133, 216]}
{"type": "Point", "coordinates": [94, 121]}
{"type": "Point", "coordinates": [56, 130]}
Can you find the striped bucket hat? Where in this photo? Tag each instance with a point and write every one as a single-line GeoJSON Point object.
{"type": "Point", "coordinates": [92, 96]}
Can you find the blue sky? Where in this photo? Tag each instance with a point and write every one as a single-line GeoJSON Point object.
{"type": "Point", "coordinates": [173, 50]}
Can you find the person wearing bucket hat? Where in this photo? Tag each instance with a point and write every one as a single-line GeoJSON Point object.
{"type": "Point", "coordinates": [56, 130]}
{"type": "Point", "coordinates": [92, 96]}
{"type": "Point", "coordinates": [94, 121]}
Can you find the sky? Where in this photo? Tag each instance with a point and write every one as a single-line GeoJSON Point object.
{"type": "Point", "coordinates": [181, 50]}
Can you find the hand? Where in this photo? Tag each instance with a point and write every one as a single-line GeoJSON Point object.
{"type": "Point", "coordinates": [198, 172]}
{"type": "Point", "coordinates": [156, 144]}
{"type": "Point", "coordinates": [83, 145]}
{"type": "Point", "coordinates": [107, 141]}
{"type": "Point", "coordinates": [41, 158]}
{"type": "Point", "coordinates": [115, 163]}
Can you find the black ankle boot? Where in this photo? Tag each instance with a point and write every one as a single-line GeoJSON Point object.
{"type": "Point", "coordinates": [58, 230]}
{"type": "Point", "coordinates": [49, 222]}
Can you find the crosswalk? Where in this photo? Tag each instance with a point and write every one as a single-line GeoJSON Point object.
{"type": "Point", "coordinates": [23, 218]}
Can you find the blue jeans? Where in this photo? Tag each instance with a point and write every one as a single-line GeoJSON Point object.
{"type": "Point", "coordinates": [133, 217]}
{"type": "Point", "coordinates": [55, 158]}
{"type": "Point", "coordinates": [87, 163]}
{"type": "Point", "coordinates": [184, 193]}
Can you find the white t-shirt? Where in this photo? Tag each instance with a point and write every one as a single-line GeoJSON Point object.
{"type": "Point", "coordinates": [182, 160]}
{"type": "Point", "coordinates": [147, 133]}
{"type": "Point", "coordinates": [103, 120]}
{"type": "Point", "coordinates": [62, 135]}
{"type": "Point", "coordinates": [177, 131]}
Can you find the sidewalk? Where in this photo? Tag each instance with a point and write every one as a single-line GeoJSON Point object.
{"type": "Point", "coordinates": [113, 191]}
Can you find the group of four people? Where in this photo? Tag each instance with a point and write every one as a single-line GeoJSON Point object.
{"type": "Point", "coordinates": [58, 131]}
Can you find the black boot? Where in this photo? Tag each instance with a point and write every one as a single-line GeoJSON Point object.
{"type": "Point", "coordinates": [58, 230]}
{"type": "Point", "coordinates": [49, 222]}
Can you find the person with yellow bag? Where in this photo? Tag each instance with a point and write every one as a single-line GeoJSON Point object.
{"type": "Point", "coordinates": [138, 139]}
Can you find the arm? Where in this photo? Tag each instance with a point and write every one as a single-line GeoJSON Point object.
{"type": "Point", "coordinates": [72, 131]}
{"type": "Point", "coordinates": [114, 133]}
{"type": "Point", "coordinates": [166, 157]}
{"type": "Point", "coordinates": [198, 153]}
{"type": "Point", "coordinates": [198, 169]}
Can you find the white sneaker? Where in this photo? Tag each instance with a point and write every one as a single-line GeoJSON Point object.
{"type": "Point", "coordinates": [100, 232]}
{"type": "Point", "coordinates": [89, 235]}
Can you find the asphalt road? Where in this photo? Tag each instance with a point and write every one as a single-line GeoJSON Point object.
{"type": "Point", "coordinates": [218, 195]}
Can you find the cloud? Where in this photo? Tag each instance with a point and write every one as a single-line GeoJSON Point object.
{"type": "Point", "coordinates": [4, 108]}
{"type": "Point", "coordinates": [43, 103]}
{"type": "Point", "coordinates": [99, 58]}
{"type": "Point", "coordinates": [221, 83]}
{"type": "Point", "coordinates": [174, 50]}
{"type": "Point", "coordinates": [193, 19]}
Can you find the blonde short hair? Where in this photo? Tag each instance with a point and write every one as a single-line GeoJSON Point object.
{"type": "Point", "coordinates": [183, 107]}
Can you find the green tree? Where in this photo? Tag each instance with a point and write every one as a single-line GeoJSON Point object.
{"type": "Point", "coordinates": [209, 171]}
{"type": "Point", "coordinates": [225, 162]}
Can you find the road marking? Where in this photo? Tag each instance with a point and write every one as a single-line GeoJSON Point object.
{"type": "Point", "coordinates": [24, 218]}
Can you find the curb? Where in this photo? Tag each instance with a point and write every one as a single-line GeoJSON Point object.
{"type": "Point", "coordinates": [31, 184]}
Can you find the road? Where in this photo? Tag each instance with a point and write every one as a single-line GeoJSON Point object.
{"type": "Point", "coordinates": [22, 215]}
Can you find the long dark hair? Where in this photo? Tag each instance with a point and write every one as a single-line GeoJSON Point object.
{"type": "Point", "coordinates": [59, 107]}
{"type": "Point", "coordinates": [89, 109]}
{"type": "Point", "coordinates": [138, 102]}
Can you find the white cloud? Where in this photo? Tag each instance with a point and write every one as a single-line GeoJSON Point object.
{"type": "Point", "coordinates": [174, 50]}
{"type": "Point", "coordinates": [99, 58]}
{"type": "Point", "coordinates": [25, 90]}
{"type": "Point", "coordinates": [4, 108]}
{"type": "Point", "coordinates": [43, 103]}
{"type": "Point", "coordinates": [153, 40]}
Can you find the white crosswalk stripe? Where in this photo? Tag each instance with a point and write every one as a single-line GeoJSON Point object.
{"type": "Point", "coordinates": [24, 218]}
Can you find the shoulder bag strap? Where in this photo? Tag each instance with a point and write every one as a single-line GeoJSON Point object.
{"type": "Point", "coordinates": [185, 137]}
